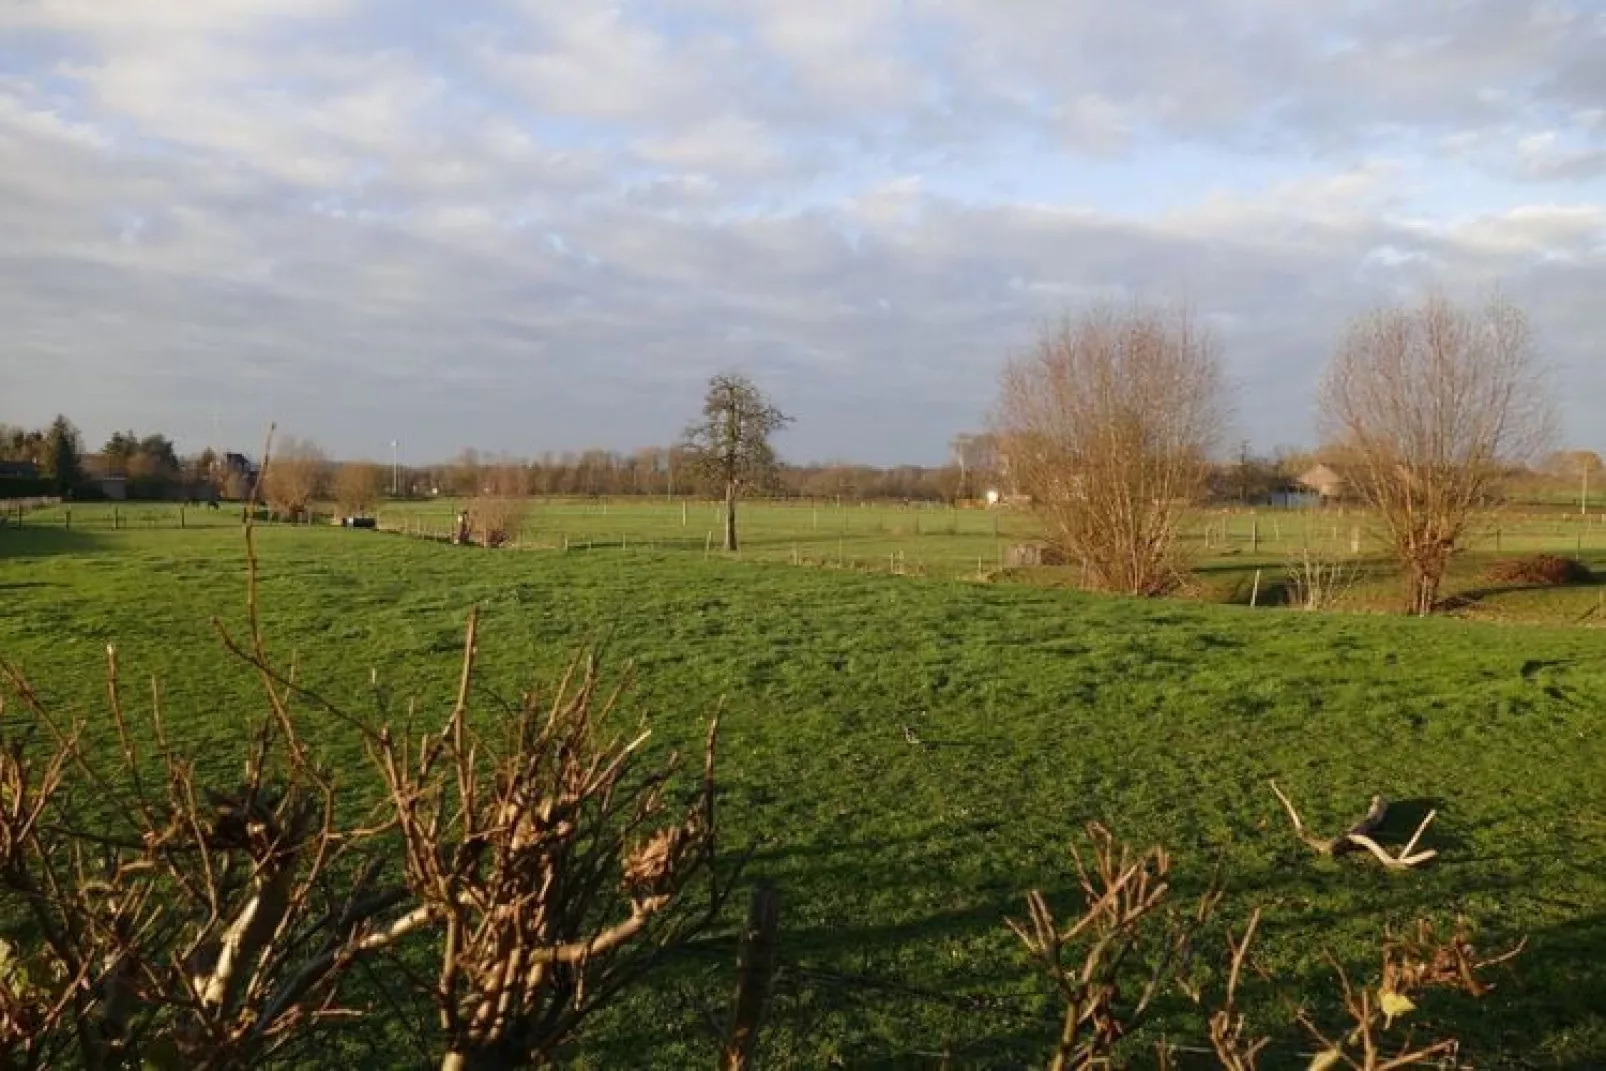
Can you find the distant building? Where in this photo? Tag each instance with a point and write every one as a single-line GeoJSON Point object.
{"type": "Point", "coordinates": [240, 465]}
{"type": "Point", "coordinates": [18, 470]}
{"type": "Point", "coordinates": [1323, 481]}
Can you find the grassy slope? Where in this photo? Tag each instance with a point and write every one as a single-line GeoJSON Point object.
{"type": "Point", "coordinates": [1042, 709]}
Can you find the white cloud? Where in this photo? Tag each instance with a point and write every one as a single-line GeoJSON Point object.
{"type": "Point", "coordinates": [461, 220]}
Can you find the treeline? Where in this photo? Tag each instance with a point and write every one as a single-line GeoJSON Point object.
{"type": "Point", "coordinates": [54, 461]}
{"type": "Point", "coordinates": [667, 472]}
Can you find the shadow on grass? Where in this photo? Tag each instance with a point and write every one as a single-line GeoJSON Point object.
{"type": "Point", "coordinates": [40, 542]}
{"type": "Point", "coordinates": [1471, 597]}
{"type": "Point", "coordinates": [1403, 819]}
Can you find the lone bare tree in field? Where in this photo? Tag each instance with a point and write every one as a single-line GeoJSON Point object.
{"type": "Point", "coordinates": [1108, 423]}
{"type": "Point", "coordinates": [358, 485]}
{"type": "Point", "coordinates": [501, 503]}
{"type": "Point", "coordinates": [730, 445]}
{"type": "Point", "coordinates": [295, 475]}
{"type": "Point", "coordinates": [1435, 402]}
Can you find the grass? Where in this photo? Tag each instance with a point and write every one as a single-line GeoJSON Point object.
{"type": "Point", "coordinates": [1041, 710]}
{"type": "Point", "coordinates": [1227, 547]}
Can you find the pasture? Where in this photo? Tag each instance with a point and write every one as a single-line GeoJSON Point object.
{"type": "Point", "coordinates": [1040, 709]}
{"type": "Point", "coordinates": [1225, 548]}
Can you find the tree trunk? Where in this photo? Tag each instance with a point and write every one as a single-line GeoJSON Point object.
{"type": "Point", "coordinates": [1425, 582]}
{"type": "Point", "coordinates": [730, 515]}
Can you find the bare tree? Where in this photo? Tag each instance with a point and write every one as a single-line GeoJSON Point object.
{"type": "Point", "coordinates": [294, 476]}
{"type": "Point", "coordinates": [1577, 468]}
{"type": "Point", "coordinates": [497, 512]}
{"type": "Point", "coordinates": [1108, 423]}
{"type": "Point", "coordinates": [730, 445]}
{"type": "Point", "coordinates": [1434, 403]}
{"type": "Point", "coordinates": [358, 485]}
{"type": "Point", "coordinates": [975, 457]}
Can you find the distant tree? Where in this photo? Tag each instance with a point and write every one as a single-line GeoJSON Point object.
{"type": "Point", "coordinates": [1576, 469]}
{"type": "Point", "coordinates": [120, 449]}
{"type": "Point", "coordinates": [1249, 478]}
{"type": "Point", "coordinates": [201, 474]}
{"type": "Point", "coordinates": [730, 445]}
{"type": "Point", "coordinates": [294, 477]}
{"type": "Point", "coordinates": [1434, 403]}
{"type": "Point", "coordinates": [204, 467]}
{"type": "Point", "coordinates": [463, 477]}
{"type": "Point", "coordinates": [358, 486]}
{"type": "Point", "coordinates": [159, 453]}
{"type": "Point", "coordinates": [496, 514]}
{"type": "Point", "coordinates": [976, 456]}
{"type": "Point", "coordinates": [153, 468]}
{"type": "Point", "coordinates": [1108, 423]}
{"type": "Point", "coordinates": [22, 444]}
{"type": "Point", "coordinates": [62, 462]}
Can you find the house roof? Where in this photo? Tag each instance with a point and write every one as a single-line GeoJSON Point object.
{"type": "Point", "coordinates": [1322, 478]}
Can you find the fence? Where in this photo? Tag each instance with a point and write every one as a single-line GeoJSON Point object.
{"type": "Point", "coordinates": [132, 516]}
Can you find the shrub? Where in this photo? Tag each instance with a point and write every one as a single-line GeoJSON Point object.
{"type": "Point", "coordinates": [1542, 570]}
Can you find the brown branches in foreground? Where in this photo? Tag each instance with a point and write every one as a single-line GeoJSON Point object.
{"type": "Point", "coordinates": [1128, 946]}
{"type": "Point", "coordinates": [1359, 835]}
{"type": "Point", "coordinates": [1088, 960]}
{"type": "Point", "coordinates": [172, 922]}
{"type": "Point", "coordinates": [1411, 965]}
{"type": "Point", "coordinates": [551, 867]}
{"type": "Point", "coordinates": [167, 921]}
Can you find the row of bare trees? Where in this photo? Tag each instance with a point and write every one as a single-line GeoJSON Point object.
{"type": "Point", "coordinates": [1110, 423]}
{"type": "Point", "coordinates": [672, 472]}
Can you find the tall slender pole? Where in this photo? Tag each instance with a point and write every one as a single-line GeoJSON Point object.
{"type": "Point", "coordinates": [395, 471]}
{"type": "Point", "coordinates": [1583, 499]}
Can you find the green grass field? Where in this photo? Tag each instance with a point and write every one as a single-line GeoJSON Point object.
{"type": "Point", "coordinates": [1041, 709]}
{"type": "Point", "coordinates": [1226, 547]}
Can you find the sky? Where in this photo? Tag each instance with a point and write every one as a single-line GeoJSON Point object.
{"type": "Point", "coordinates": [541, 225]}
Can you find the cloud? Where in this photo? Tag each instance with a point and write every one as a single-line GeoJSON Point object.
{"type": "Point", "coordinates": [527, 226]}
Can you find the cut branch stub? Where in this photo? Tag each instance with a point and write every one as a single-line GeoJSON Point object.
{"type": "Point", "coordinates": [1359, 835]}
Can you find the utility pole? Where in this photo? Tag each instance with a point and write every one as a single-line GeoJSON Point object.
{"type": "Point", "coordinates": [395, 472]}
{"type": "Point", "coordinates": [1583, 499]}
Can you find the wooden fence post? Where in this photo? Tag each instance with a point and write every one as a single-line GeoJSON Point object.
{"type": "Point", "coordinates": [755, 973]}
